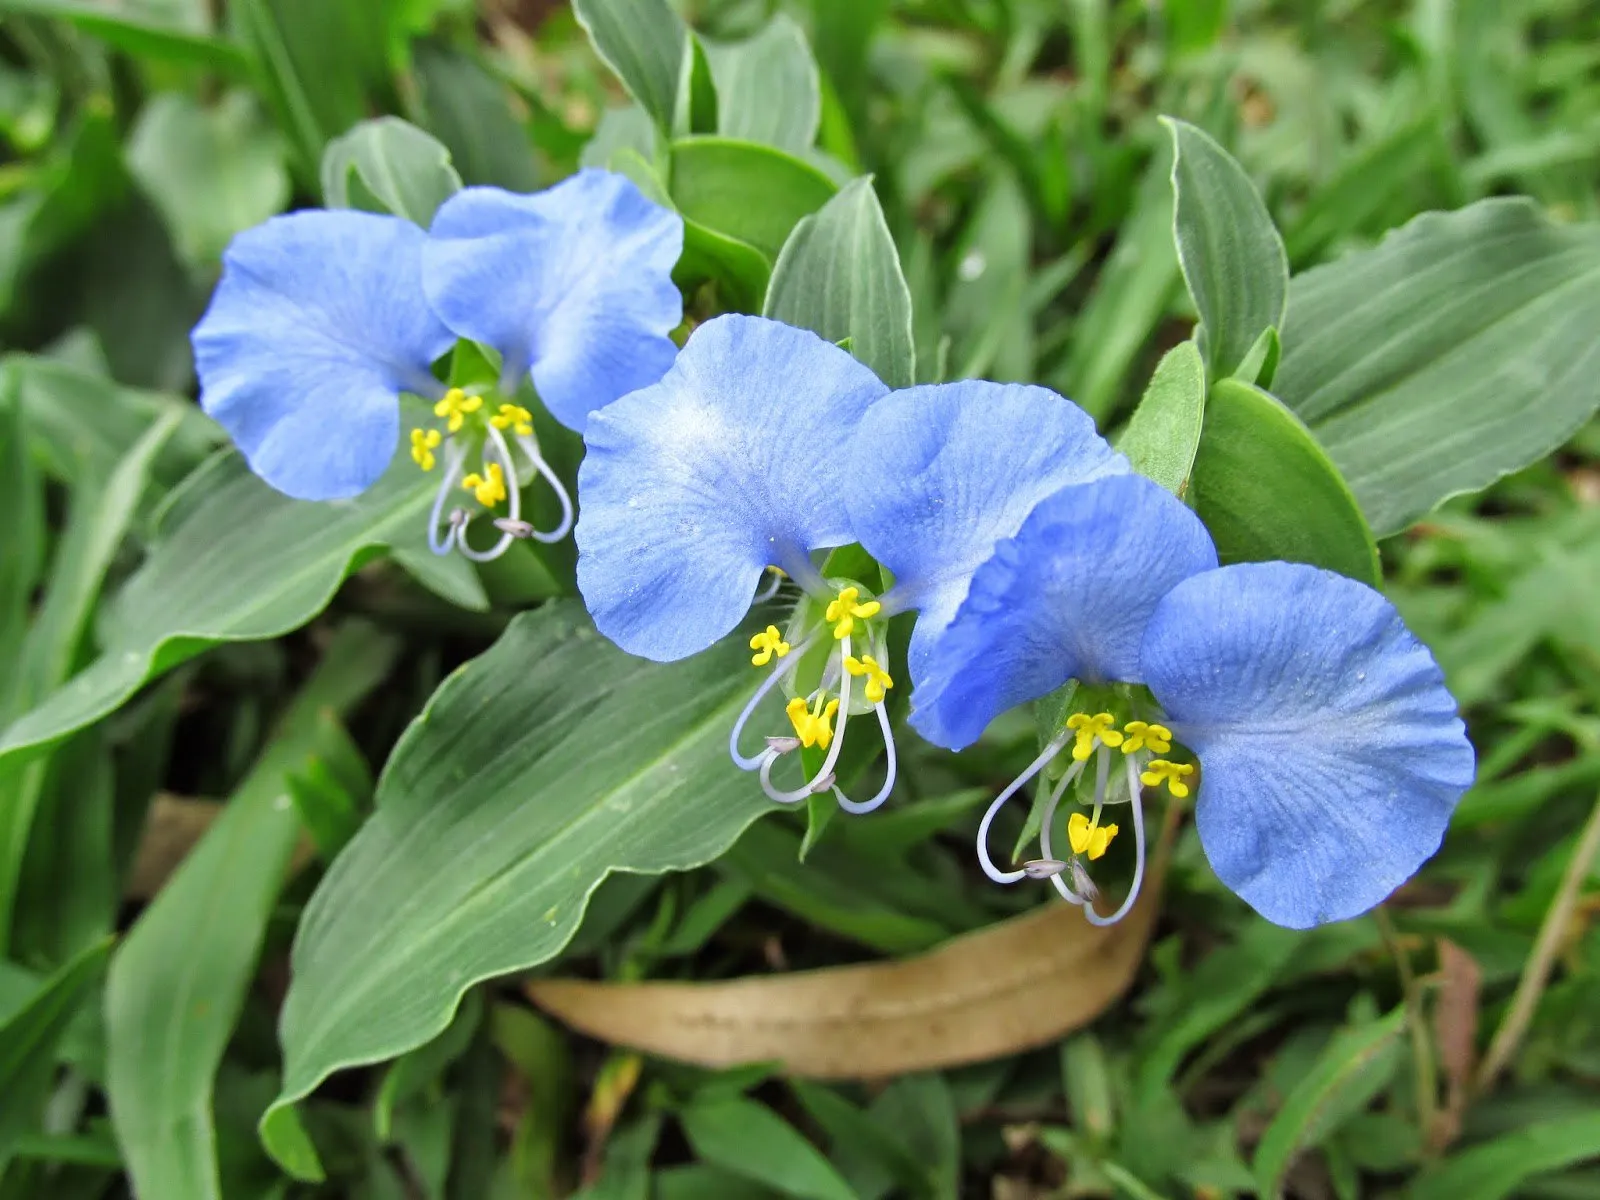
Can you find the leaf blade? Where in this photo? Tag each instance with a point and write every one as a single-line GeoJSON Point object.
{"type": "Point", "coordinates": [839, 276]}
{"type": "Point", "coordinates": [1228, 248]}
{"type": "Point", "coordinates": [455, 908]}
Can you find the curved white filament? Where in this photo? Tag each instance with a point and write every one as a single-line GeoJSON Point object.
{"type": "Point", "coordinates": [781, 796]}
{"type": "Point", "coordinates": [787, 663]}
{"type": "Point", "coordinates": [1138, 850]}
{"type": "Point", "coordinates": [999, 802]}
{"type": "Point", "coordinates": [531, 449]}
{"type": "Point", "coordinates": [770, 588]}
{"type": "Point", "coordinates": [866, 806]}
{"type": "Point", "coordinates": [513, 502]}
{"type": "Point", "coordinates": [1048, 817]}
{"type": "Point", "coordinates": [453, 454]}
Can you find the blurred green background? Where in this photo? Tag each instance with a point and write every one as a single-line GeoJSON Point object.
{"type": "Point", "coordinates": [1447, 1047]}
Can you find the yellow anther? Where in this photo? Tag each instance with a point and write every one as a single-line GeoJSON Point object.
{"type": "Point", "coordinates": [843, 612]}
{"type": "Point", "coordinates": [423, 443]}
{"type": "Point", "coordinates": [455, 406]}
{"type": "Point", "coordinates": [1174, 775]}
{"type": "Point", "coordinates": [878, 681]}
{"type": "Point", "coordinates": [814, 726]}
{"type": "Point", "coordinates": [489, 488]}
{"type": "Point", "coordinates": [767, 643]}
{"type": "Point", "coordinates": [1139, 735]}
{"type": "Point", "coordinates": [515, 418]}
{"type": "Point", "coordinates": [1101, 727]}
{"type": "Point", "coordinates": [1087, 837]}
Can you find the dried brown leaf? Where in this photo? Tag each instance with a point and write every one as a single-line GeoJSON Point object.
{"type": "Point", "coordinates": [1017, 984]}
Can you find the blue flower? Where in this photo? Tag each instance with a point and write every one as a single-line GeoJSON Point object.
{"type": "Point", "coordinates": [573, 284]}
{"type": "Point", "coordinates": [1331, 752]}
{"type": "Point", "coordinates": [953, 469]}
{"type": "Point", "coordinates": [1329, 748]}
{"type": "Point", "coordinates": [736, 465]}
{"type": "Point", "coordinates": [317, 326]}
{"type": "Point", "coordinates": [322, 320]}
{"type": "Point", "coordinates": [1067, 598]}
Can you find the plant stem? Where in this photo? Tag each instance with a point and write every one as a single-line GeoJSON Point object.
{"type": "Point", "coordinates": [1536, 974]}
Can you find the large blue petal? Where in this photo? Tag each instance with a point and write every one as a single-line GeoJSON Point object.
{"type": "Point", "coordinates": [574, 283]}
{"type": "Point", "coordinates": [944, 472]}
{"type": "Point", "coordinates": [735, 460]}
{"type": "Point", "coordinates": [1067, 598]}
{"type": "Point", "coordinates": [317, 325]}
{"type": "Point", "coordinates": [1331, 755]}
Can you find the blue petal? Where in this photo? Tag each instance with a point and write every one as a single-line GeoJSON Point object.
{"type": "Point", "coordinates": [735, 460]}
{"type": "Point", "coordinates": [317, 325]}
{"type": "Point", "coordinates": [1331, 756]}
{"type": "Point", "coordinates": [574, 283]}
{"type": "Point", "coordinates": [1067, 598]}
{"type": "Point", "coordinates": [947, 471]}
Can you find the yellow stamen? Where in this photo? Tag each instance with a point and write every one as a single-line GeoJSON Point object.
{"type": "Point", "coordinates": [1139, 735]}
{"type": "Point", "coordinates": [1174, 775]}
{"type": "Point", "coordinates": [490, 487]}
{"type": "Point", "coordinates": [843, 612]}
{"type": "Point", "coordinates": [767, 643]}
{"type": "Point", "coordinates": [423, 443]}
{"type": "Point", "coordinates": [1087, 837]}
{"type": "Point", "coordinates": [515, 418]}
{"type": "Point", "coordinates": [1101, 727]}
{"type": "Point", "coordinates": [878, 681]}
{"type": "Point", "coordinates": [455, 405]}
{"type": "Point", "coordinates": [813, 727]}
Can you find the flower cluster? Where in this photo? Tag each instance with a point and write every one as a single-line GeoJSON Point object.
{"type": "Point", "coordinates": [763, 466]}
{"type": "Point", "coordinates": [322, 321]}
{"type": "Point", "coordinates": [1317, 734]}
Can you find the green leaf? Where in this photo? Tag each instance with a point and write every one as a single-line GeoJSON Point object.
{"type": "Point", "coordinates": [986, 311]}
{"type": "Point", "coordinates": [1129, 299]}
{"type": "Point", "coordinates": [868, 1155]}
{"type": "Point", "coordinates": [1350, 1071]}
{"type": "Point", "coordinates": [389, 165]}
{"type": "Point", "coordinates": [81, 423]}
{"type": "Point", "coordinates": [211, 172]}
{"type": "Point", "coordinates": [81, 179]}
{"type": "Point", "coordinates": [469, 110]}
{"type": "Point", "coordinates": [95, 530]}
{"type": "Point", "coordinates": [535, 772]}
{"type": "Point", "coordinates": [414, 1071]}
{"type": "Point", "coordinates": [920, 1112]}
{"type": "Point", "coordinates": [1223, 986]}
{"type": "Point", "coordinates": [1495, 1169]}
{"type": "Point", "coordinates": [744, 190]}
{"type": "Point", "coordinates": [1163, 434]}
{"type": "Point", "coordinates": [767, 87]}
{"type": "Point", "coordinates": [29, 1038]}
{"type": "Point", "coordinates": [695, 110]}
{"type": "Point", "coordinates": [241, 563]}
{"type": "Point", "coordinates": [177, 984]}
{"type": "Point", "coordinates": [1086, 1079]}
{"type": "Point", "coordinates": [318, 65]}
{"type": "Point", "coordinates": [1260, 366]}
{"type": "Point", "coordinates": [1230, 252]}
{"type": "Point", "coordinates": [332, 790]}
{"type": "Point", "coordinates": [749, 1139]}
{"type": "Point", "coordinates": [67, 885]}
{"type": "Point", "coordinates": [174, 29]}
{"type": "Point", "coordinates": [739, 269]}
{"type": "Point", "coordinates": [22, 537]}
{"type": "Point", "coordinates": [1457, 350]}
{"type": "Point", "coordinates": [839, 276]}
{"type": "Point", "coordinates": [627, 128]}
{"type": "Point", "coordinates": [1266, 490]}
{"type": "Point", "coordinates": [643, 41]}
